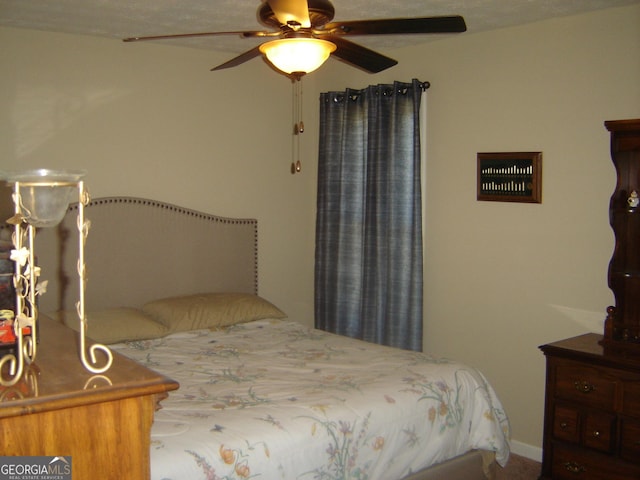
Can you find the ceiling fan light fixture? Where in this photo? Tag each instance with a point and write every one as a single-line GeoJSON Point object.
{"type": "Point", "coordinates": [297, 55]}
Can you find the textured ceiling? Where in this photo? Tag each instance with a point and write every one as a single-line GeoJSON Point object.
{"type": "Point", "coordinates": [125, 18]}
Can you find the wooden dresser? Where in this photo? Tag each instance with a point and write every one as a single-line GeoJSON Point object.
{"type": "Point", "coordinates": [592, 412]}
{"type": "Point", "coordinates": [60, 409]}
{"type": "Point", "coordinates": [592, 400]}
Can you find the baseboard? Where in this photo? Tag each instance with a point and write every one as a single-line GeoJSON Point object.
{"type": "Point", "coordinates": [527, 451]}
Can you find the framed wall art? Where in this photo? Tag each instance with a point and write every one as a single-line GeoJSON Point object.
{"type": "Point", "coordinates": [510, 177]}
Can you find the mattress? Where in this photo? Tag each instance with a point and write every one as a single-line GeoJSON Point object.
{"type": "Point", "coordinates": [273, 399]}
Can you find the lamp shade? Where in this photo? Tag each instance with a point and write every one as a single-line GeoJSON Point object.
{"type": "Point", "coordinates": [297, 55]}
{"type": "Point", "coordinates": [45, 194]}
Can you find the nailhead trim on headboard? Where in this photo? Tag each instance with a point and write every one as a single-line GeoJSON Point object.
{"type": "Point", "coordinates": [139, 250]}
{"type": "Point", "coordinates": [183, 211]}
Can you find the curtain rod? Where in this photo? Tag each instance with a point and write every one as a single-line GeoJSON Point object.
{"type": "Point", "coordinates": [424, 85]}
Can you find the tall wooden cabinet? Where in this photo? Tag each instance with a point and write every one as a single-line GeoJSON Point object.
{"type": "Point", "coordinates": [592, 398]}
{"type": "Point", "coordinates": [622, 327]}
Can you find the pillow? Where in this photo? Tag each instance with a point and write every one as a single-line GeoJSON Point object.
{"type": "Point", "coordinates": [210, 310]}
{"type": "Point", "coordinates": [114, 325]}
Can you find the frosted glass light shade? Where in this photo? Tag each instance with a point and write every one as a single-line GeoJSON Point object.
{"type": "Point", "coordinates": [297, 55]}
{"type": "Point", "coordinates": [45, 194]}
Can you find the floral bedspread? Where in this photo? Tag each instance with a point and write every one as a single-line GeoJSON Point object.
{"type": "Point", "coordinates": [276, 400]}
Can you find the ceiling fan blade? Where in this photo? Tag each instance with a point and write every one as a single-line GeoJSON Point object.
{"type": "Point", "coordinates": [451, 24]}
{"type": "Point", "coordinates": [296, 11]}
{"type": "Point", "coordinates": [360, 56]}
{"type": "Point", "coordinates": [244, 57]}
{"type": "Point", "coordinates": [246, 34]}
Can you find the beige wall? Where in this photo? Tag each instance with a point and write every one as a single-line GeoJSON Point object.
{"type": "Point", "coordinates": [501, 279]}
{"type": "Point", "coordinates": [152, 121]}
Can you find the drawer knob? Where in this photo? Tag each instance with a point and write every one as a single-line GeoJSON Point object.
{"type": "Point", "coordinates": [563, 425]}
{"type": "Point", "coordinates": [574, 467]}
{"type": "Point", "coordinates": [596, 433]}
{"type": "Point", "coordinates": [584, 386]}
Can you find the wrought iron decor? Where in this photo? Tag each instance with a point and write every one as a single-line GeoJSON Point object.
{"type": "Point", "coordinates": [41, 198]}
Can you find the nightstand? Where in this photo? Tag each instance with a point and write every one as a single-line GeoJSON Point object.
{"type": "Point", "coordinates": [59, 409]}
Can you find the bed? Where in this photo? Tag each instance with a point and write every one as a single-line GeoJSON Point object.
{"type": "Point", "coordinates": [261, 396]}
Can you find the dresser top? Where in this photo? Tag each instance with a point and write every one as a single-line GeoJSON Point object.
{"type": "Point", "coordinates": [57, 379]}
{"type": "Point", "coordinates": [588, 348]}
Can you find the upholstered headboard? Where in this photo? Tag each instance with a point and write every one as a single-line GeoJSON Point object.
{"type": "Point", "coordinates": [140, 250]}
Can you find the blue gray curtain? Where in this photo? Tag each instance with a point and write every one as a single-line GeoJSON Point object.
{"type": "Point", "coordinates": [368, 260]}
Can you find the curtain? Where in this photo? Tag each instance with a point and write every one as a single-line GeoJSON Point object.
{"type": "Point", "coordinates": [368, 259]}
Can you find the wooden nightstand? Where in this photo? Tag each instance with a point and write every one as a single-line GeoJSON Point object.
{"type": "Point", "coordinates": [102, 421]}
{"type": "Point", "coordinates": [592, 412]}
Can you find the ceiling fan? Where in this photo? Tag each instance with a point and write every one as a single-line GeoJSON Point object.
{"type": "Point", "coordinates": [305, 36]}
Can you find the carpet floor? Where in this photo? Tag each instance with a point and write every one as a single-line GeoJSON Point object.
{"type": "Point", "coordinates": [519, 468]}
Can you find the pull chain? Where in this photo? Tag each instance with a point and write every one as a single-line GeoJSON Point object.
{"type": "Point", "coordinates": [298, 124]}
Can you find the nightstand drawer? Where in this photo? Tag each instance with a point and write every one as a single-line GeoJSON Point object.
{"type": "Point", "coordinates": [565, 424]}
{"type": "Point", "coordinates": [589, 386]}
{"type": "Point", "coordinates": [630, 440]}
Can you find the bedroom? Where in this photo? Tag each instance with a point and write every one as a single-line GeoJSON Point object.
{"type": "Point", "coordinates": [152, 121]}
